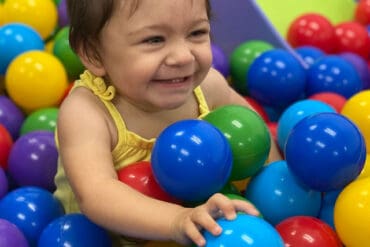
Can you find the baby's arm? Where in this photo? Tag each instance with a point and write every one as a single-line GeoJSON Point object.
{"type": "Point", "coordinates": [85, 148]}
{"type": "Point", "coordinates": [218, 93]}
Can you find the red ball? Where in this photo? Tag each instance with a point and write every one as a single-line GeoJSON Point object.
{"type": "Point", "coordinates": [6, 143]}
{"type": "Point", "coordinates": [312, 30]}
{"type": "Point", "coordinates": [258, 108]}
{"type": "Point", "coordinates": [139, 176]}
{"type": "Point", "coordinates": [362, 12]}
{"type": "Point", "coordinates": [335, 100]}
{"type": "Point", "coordinates": [307, 231]}
{"type": "Point", "coordinates": [352, 37]}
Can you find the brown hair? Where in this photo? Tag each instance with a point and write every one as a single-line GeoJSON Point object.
{"type": "Point", "coordinates": [87, 19]}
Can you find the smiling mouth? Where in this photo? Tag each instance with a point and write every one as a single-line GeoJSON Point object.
{"type": "Point", "coordinates": [173, 80]}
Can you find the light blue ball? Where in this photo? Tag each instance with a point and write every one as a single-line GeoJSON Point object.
{"type": "Point", "coordinates": [15, 39]}
{"type": "Point", "coordinates": [245, 230]}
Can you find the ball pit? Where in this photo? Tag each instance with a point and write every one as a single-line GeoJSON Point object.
{"type": "Point", "coordinates": [12, 115]}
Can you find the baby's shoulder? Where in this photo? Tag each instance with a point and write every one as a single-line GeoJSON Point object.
{"type": "Point", "coordinates": [215, 88]}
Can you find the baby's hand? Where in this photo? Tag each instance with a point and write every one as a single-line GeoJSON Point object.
{"type": "Point", "coordinates": [188, 224]}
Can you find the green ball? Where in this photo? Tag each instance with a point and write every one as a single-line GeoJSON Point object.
{"type": "Point", "coordinates": [240, 60]}
{"type": "Point", "coordinates": [248, 136]}
{"type": "Point", "coordinates": [229, 188]}
{"type": "Point", "coordinates": [63, 51]}
{"type": "Point", "coordinates": [42, 119]}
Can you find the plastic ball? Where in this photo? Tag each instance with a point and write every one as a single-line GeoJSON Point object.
{"type": "Point", "coordinates": [357, 108]}
{"type": "Point", "coordinates": [42, 119]}
{"type": "Point", "coordinates": [305, 231]}
{"type": "Point", "coordinates": [325, 151]}
{"type": "Point", "coordinates": [220, 60]}
{"type": "Point", "coordinates": [183, 164]}
{"type": "Point", "coordinates": [295, 113]}
{"type": "Point", "coordinates": [309, 54]}
{"type": "Point", "coordinates": [314, 30]}
{"type": "Point", "coordinates": [10, 235]}
{"type": "Point", "coordinates": [11, 116]}
{"type": "Point", "coordinates": [2, 14]}
{"type": "Point", "coordinates": [240, 60]}
{"type": "Point", "coordinates": [366, 170]}
{"type": "Point", "coordinates": [139, 176]}
{"type": "Point", "coordinates": [352, 214]}
{"type": "Point", "coordinates": [63, 19]}
{"type": "Point", "coordinates": [334, 100]}
{"type": "Point", "coordinates": [327, 208]}
{"type": "Point", "coordinates": [360, 65]}
{"type": "Point", "coordinates": [333, 74]}
{"type": "Point", "coordinates": [39, 14]}
{"type": "Point", "coordinates": [74, 230]}
{"type": "Point", "coordinates": [276, 78]}
{"type": "Point", "coordinates": [245, 230]}
{"type": "Point", "coordinates": [33, 160]}
{"type": "Point", "coordinates": [247, 135]}
{"type": "Point", "coordinates": [6, 144]}
{"type": "Point", "coordinates": [3, 183]}
{"type": "Point", "coordinates": [63, 51]}
{"type": "Point", "coordinates": [36, 70]}
{"type": "Point", "coordinates": [353, 37]}
{"type": "Point", "coordinates": [31, 209]}
{"type": "Point", "coordinates": [16, 38]}
{"type": "Point", "coordinates": [362, 12]}
{"type": "Point", "coordinates": [278, 195]}
{"type": "Point", "coordinates": [258, 108]}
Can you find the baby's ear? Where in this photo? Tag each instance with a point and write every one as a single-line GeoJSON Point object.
{"type": "Point", "coordinates": [92, 63]}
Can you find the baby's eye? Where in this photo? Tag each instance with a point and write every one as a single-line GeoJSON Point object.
{"type": "Point", "coordinates": [200, 32]}
{"type": "Point", "coordinates": [154, 40]}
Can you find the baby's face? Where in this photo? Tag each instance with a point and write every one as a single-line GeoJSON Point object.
{"type": "Point", "coordinates": [157, 52]}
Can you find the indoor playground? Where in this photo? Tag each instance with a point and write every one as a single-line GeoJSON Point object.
{"type": "Point", "coordinates": [303, 66]}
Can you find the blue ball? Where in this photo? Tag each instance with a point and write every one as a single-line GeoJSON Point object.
{"type": "Point", "coordinates": [191, 160]}
{"type": "Point", "coordinates": [295, 113]}
{"type": "Point", "coordinates": [74, 230]}
{"type": "Point", "coordinates": [333, 74]}
{"type": "Point", "coordinates": [278, 195]}
{"type": "Point", "coordinates": [17, 38]}
{"type": "Point", "coordinates": [276, 78]}
{"type": "Point", "coordinates": [327, 207]}
{"type": "Point", "coordinates": [31, 209]}
{"type": "Point", "coordinates": [309, 54]}
{"type": "Point", "coordinates": [245, 230]}
{"type": "Point", "coordinates": [325, 151]}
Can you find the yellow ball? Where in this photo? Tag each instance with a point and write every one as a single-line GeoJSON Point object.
{"type": "Point", "coordinates": [42, 15]}
{"type": "Point", "coordinates": [2, 21]}
{"type": "Point", "coordinates": [352, 214]}
{"type": "Point", "coordinates": [366, 170]}
{"type": "Point", "coordinates": [36, 79]}
{"type": "Point", "coordinates": [357, 109]}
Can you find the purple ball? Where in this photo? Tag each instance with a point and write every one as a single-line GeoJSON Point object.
{"type": "Point", "coordinates": [33, 160]}
{"type": "Point", "coordinates": [360, 65]}
{"type": "Point", "coordinates": [63, 19]}
{"type": "Point", "coordinates": [3, 185]}
{"type": "Point", "coordinates": [11, 116]}
{"type": "Point", "coordinates": [10, 235]}
{"type": "Point", "coordinates": [220, 61]}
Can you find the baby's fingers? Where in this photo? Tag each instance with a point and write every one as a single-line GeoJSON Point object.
{"type": "Point", "coordinates": [246, 207]}
{"type": "Point", "coordinates": [204, 221]}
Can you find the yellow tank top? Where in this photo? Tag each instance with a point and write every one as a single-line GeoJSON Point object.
{"type": "Point", "coordinates": [130, 147]}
